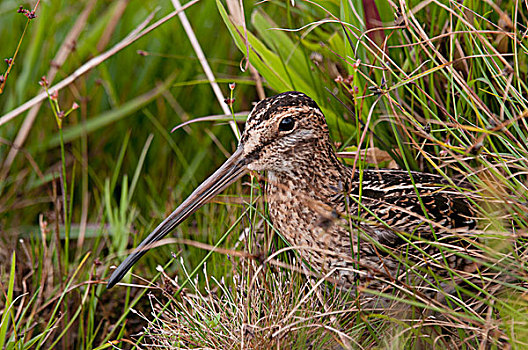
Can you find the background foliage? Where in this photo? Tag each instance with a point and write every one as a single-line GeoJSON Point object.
{"type": "Point", "coordinates": [446, 94]}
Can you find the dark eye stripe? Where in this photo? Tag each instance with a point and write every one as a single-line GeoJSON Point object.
{"type": "Point", "coordinates": [286, 124]}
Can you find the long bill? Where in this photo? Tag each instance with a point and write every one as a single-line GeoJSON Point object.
{"type": "Point", "coordinates": [228, 173]}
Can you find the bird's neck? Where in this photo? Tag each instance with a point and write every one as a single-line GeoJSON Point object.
{"type": "Point", "coordinates": [314, 171]}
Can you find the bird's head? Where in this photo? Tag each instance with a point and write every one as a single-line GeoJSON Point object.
{"type": "Point", "coordinates": [278, 132]}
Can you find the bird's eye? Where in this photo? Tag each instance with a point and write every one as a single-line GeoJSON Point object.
{"type": "Point", "coordinates": [286, 124]}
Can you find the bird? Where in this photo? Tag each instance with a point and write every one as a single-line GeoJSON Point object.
{"type": "Point", "coordinates": [357, 226]}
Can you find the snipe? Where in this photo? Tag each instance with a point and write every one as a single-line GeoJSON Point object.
{"type": "Point", "coordinates": [358, 225]}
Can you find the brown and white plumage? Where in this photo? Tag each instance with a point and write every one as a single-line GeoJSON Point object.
{"type": "Point", "coordinates": [356, 224]}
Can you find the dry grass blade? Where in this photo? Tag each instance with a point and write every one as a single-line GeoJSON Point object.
{"type": "Point", "coordinates": [205, 65]}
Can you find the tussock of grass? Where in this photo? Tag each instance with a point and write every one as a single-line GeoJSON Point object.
{"type": "Point", "coordinates": [258, 308]}
{"type": "Point", "coordinates": [266, 306]}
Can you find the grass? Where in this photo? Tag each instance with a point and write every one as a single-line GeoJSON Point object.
{"type": "Point", "coordinates": [446, 95]}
